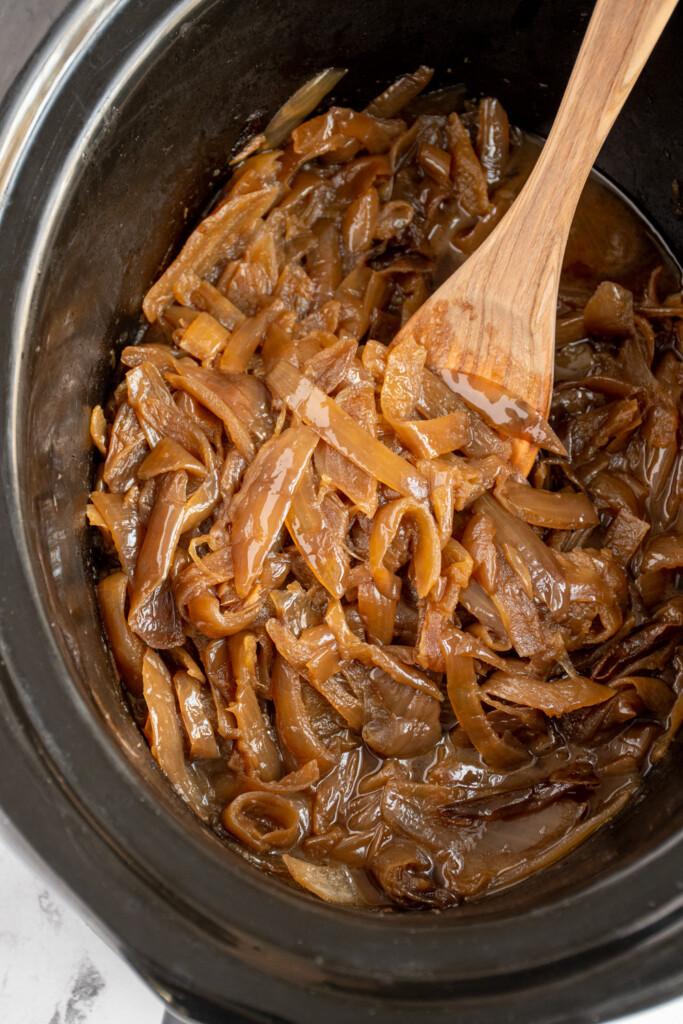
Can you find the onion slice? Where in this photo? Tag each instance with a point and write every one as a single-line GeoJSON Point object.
{"type": "Point", "coordinates": [340, 430]}
{"type": "Point", "coordinates": [259, 508]}
{"type": "Point", "coordinates": [163, 731]}
{"type": "Point", "coordinates": [300, 105]}
{"type": "Point", "coordinates": [554, 698]}
{"type": "Point", "coordinates": [427, 554]}
{"type": "Point", "coordinates": [400, 92]}
{"type": "Point", "coordinates": [547, 578]}
{"type": "Point", "coordinates": [503, 410]}
{"type": "Point", "coordinates": [465, 697]}
{"type": "Point", "coordinates": [555, 510]}
{"type": "Point", "coordinates": [334, 883]}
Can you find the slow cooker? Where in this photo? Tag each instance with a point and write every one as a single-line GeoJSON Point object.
{"type": "Point", "coordinates": [113, 142]}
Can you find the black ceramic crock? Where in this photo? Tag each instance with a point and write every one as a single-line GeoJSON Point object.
{"type": "Point", "coordinates": [113, 142]}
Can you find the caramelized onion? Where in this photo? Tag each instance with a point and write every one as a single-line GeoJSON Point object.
{"type": "Point", "coordinates": [259, 509]}
{"type": "Point", "coordinates": [546, 575]}
{"type": "Point", "coordinates": [336, 427]}
{"type": "Point", "coordinates": [299, 106]}
{"type": "Point", "coordinates": [209, 244]}
{"type": "Point", "coordinates": [400, 92]}
{"type": "Point", "coordinates": [311, 539]}
{"type": "Point", "coordinates": [158, 548]}
{"type": "Point", "coordinates": [501, 409]}
{"type": "Point", "coordinates": [469, 178]}
{"type": "Point", "coordinates": [127, 648]}
{"type": "Point", "coordinates": [463, 694]}
{"type": "Point", "coordinates": [167, 457]}
{"type": "Point", "coordinates": [163, 731]}
{"type": "Point", "coordinates": [493, 139]}
{"type": "Point", "coordinates": [263, 820]}
{"type": "Point", "coordinates": [379, 657]}
{"type": "Point", "coordinates": [293, 721]}
{"type": "Point", "coordinates": [557, 697]}
{"type": "Point", "coordinates": [318, 524]}
{"type": "Point", "coordinates": [254, 742]}
{"type": "Point", "coordinates": [190, 380]}
{"type": "Point", "coordinates": [194, 715]}
{"type": "Point", "coordinates": [427, 557]}
{"type": "Point", "coordinates": [400, 392]}
{"type": "Point", "coordinates": [559, 510]}
{"type": "Point", "coordinates": [119, 516]}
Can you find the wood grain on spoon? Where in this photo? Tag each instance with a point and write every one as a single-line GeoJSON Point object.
{"type": "Point", "coordinates": [495, 317]}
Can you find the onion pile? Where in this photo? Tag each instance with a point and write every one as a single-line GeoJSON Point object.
{"type": "Point", "coordinates": [359, 644]}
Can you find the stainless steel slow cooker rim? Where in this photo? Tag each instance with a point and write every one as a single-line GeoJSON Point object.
{"type": "Point", "coordinates": [44, 71]}
{"type": "Point", "coordinates": [415, 928]}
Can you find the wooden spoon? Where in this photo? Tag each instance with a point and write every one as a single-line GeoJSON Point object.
{"type": "Point", "coordinates": [495, 316]}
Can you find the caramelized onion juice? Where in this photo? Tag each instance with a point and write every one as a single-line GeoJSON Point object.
{"type": "Point", "coordinates": [358, 643]}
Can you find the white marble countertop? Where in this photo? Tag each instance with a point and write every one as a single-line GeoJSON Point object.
{"type": "Point", "coordinates": [53, 968]}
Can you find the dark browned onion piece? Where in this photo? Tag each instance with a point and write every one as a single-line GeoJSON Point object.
{"type": "Point", "coordinates": [493, 139]}
{"type": "Point", "coordinates": [405, 872]}
{"type": "Point", "coordinates": [402, 91]}
{"type": "Point", "coordinates": [503, 410]}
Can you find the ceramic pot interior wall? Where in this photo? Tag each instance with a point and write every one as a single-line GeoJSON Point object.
{"type": "Point", "coordinates": [151, 168]}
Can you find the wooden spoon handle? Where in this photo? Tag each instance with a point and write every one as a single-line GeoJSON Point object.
{"type": "Point", "coordinates": [495, 317]}
{"type": "Point", "coordinates": [618, 42]}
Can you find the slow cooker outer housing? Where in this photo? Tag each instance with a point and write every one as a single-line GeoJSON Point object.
{"type": "Point", "coordinates": [113, 142]}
